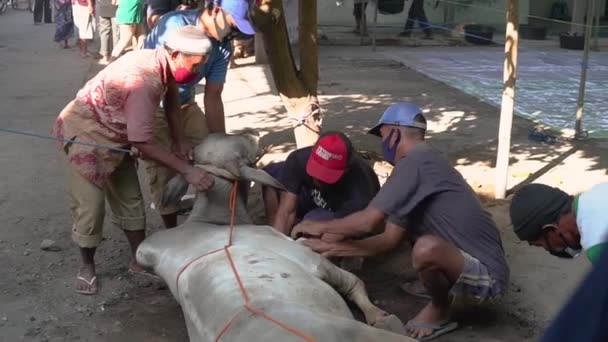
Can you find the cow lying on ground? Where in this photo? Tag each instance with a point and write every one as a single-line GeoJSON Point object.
{"type": "Point", "coordinates": [288, 291]}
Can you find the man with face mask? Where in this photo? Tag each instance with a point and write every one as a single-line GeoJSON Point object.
{"type": "Point", "coordinates": [326, 181]}
{"type": "Point", "coordinates": [222, 21]}
{"type": "Point", "coordinates": [564, 225]}
{"type": "Point", "coordinates": [457, 251]}
{"type": "Point", "coordinates": [113, 112]}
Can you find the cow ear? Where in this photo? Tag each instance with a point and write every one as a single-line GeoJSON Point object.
{"type": "Point", "coordinates": [174, 191]}
{"type": "Point", "coordinates": [260, 176]}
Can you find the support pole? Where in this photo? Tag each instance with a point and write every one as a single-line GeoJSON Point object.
{"type": "Point", "coordinates": [596, 29]}
{"type": "Point", "coordinates": [375, 26]}
{"type": "Point", "coordinates": [508, 99]}
{"type": "Point", "coordinates": [578, 128]}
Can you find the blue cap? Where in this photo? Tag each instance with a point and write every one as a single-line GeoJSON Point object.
{"type": "Point", "coordinates": [239, 10]}
{"type": "Point", "coordinates": [400, 114]}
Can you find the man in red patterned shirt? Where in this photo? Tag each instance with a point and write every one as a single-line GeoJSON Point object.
{"type": "Point", "coordinates": [116, 109]}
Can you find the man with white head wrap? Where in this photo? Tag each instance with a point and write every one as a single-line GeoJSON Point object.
{"type": "Point", "coordinates": [116, 109]}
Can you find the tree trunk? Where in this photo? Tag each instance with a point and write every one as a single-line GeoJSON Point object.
{"type": "Point", "coordinates": [297, 88]}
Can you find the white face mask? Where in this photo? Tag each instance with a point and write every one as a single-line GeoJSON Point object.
{"type": "Point", "coordinates": [222, 32]}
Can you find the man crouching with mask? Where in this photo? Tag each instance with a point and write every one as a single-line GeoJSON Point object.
{"type": "Point", "coordinates": [564, 225]}
{"type": "Point", "coordinates": [457, 251]}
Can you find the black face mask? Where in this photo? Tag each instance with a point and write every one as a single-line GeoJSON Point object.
{"type": "Point", "coordinates": [568, 253]}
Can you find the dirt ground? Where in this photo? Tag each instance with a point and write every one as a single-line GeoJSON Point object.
{"type": "Point", "coordinates": [37, 301]}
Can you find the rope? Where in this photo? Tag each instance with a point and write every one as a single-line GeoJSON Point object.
{"type": "Point", "coordinates": [71, 141]}
{"type": "Point", "coordinates": [232, 202]}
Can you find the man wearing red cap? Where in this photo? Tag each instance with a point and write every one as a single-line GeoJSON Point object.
{"type": "Point", "coordinates": [323, 182]}
{"type": "Point", "coordinates": [457, 251]}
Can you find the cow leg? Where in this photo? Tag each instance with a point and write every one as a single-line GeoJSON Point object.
{"type": "Point", "coordinates": [351, 287]}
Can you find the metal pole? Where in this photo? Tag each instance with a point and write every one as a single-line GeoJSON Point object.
{"type": "Point", "coordinates": [508, 99]}
{"type": "Point", "coordinates": [578, 128]}
{"type": "Point", "coordinates": [375, 25]}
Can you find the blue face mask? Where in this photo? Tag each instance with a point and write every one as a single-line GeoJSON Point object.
{"type": "Point", "coordinates": [390, 152]}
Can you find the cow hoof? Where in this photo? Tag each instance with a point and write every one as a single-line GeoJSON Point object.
{"type": "Point", "coordinates": [391, 323]}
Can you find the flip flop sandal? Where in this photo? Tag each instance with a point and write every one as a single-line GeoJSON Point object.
{"type": "Point", "coordinates": [413, 289]}
{"type": "Point", "coordinates": [88, 282]}
{"type": "Point", "coordinates": [438, 329]}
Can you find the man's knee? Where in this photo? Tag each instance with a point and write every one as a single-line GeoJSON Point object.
{"type": "Point", "coordinates": [427, 251]}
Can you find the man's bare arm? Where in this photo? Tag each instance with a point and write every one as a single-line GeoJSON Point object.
{"type": "Point", "coordinates": [214, 107]}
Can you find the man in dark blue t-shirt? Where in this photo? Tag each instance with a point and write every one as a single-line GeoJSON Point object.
{"type": "Point", "coordinates": [221, 24]}
{"type": "Point", "coordinates": [323, 182]}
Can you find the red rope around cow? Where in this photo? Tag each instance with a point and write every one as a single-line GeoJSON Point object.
{"type": "Point", "coordinates": [232, 201]}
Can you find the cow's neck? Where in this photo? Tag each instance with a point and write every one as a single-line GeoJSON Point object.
{"type": "Point", "coordinates": [213, 206]}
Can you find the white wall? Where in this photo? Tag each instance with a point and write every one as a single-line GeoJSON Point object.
{"type": "Point", "coordinates": [330, 14]}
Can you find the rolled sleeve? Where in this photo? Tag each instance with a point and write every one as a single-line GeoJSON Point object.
{"type": "Point", "coordinates": [139, 109]}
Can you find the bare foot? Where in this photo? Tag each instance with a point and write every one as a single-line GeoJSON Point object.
{"type": "Point", "coordinates": [422, 325]}
{"type": "Point", "coordinates": [86, 281]}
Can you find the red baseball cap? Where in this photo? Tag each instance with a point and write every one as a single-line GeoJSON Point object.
{"type": "Point", "coordinates": [329, 158]}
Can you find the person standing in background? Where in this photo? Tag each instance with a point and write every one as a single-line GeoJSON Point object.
{"type": "Point", "coordinates": [156, 8]}
{"type": "Point", "coordinates": [64, 24]}
{"type": "Point", "coordinates": [129, 16]}
{"type": "Point", "coordinates": [39, 7]}
{"type": "Point", "coordinates": [84, 19]}
{"type": "Point", "coordinates": [360, 19]}
{"type": "Point", "coordinates": [416, 15]}
{"type": "Point", "coordinates": [108, 29]}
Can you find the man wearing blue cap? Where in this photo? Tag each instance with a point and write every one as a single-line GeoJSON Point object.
{"type": "Point", "coordinates": [457, 251]}
{"type": "Point", "coordinates": [222, 20]}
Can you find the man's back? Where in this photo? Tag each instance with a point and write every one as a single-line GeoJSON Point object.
{"type": "Point", "coordinates": [426, 195]}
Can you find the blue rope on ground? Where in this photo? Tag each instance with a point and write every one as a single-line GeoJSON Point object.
{"type": "Point", "coordinates": [48, 137]}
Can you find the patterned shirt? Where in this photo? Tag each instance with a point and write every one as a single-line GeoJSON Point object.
{"type": "Point", "coordinates": [115, 108]}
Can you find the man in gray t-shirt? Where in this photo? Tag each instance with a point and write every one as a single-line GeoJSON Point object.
{"type": "Point", "coordinates": [457, 250]}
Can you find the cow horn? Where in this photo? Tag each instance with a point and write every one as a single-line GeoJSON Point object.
{"type": "Point", "coordinates": [175, 189]}
{"type": "Point", "coordinates": [260, 176]}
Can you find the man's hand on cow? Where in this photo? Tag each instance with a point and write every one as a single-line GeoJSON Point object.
{"type": "Point", "coordinates": [326, 249]}
{"type": "Point", "coordinates": [183, 149]}
{"type": "Point", "coordinates": [307, 229]}
{"type": "Point", "coordinates": [198, 178]}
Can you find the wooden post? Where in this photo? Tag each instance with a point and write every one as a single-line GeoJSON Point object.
{"type": "Point", "coordinates": [375, 26]}
{"type": "Point", "coordinates": [578, 15]}
{"type": "Point", "coordinates": [297, 87]}
{"type": "Point", "coordinates": [260, 52]}
{"type": "Point", "coordinates": [508, 99]}
{"type": "Point", "coordinates": [578, 128]}
{"type": "Point", "coordinates": [596, 29]}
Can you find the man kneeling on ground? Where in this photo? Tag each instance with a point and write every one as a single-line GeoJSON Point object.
{"type": "Point", "coordinates": [564, 225]}
{"type": "Point", "coordinates": [457, 251]}
{"type": "Point", "coordinates": [323, 182]}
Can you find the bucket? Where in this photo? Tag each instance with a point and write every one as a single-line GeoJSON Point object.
{"type": "Point", "coordinates": [532, 32]}
{"type": "Point", "coordinates": [567, 41]}
{"type": "Point", "coordinates": [479, 34]}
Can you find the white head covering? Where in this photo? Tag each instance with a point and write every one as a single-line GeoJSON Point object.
{"type": "Point", "coordinates": [190, 40]}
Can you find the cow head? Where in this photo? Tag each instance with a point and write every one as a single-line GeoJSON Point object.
{"type": "Point", "coordinates": [227, 158]}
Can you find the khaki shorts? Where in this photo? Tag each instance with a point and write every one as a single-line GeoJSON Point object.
{"type": "Point", "coordinates": [157, 175]}
{"type": "Point", "coordinates": [87, 203]}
